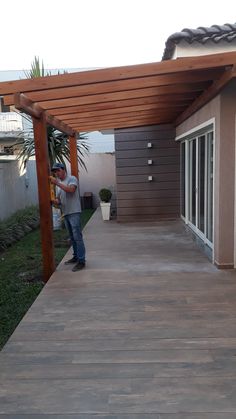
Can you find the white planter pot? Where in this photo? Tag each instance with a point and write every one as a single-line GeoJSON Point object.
{"type": "Point", "coordinates": [106, 208]}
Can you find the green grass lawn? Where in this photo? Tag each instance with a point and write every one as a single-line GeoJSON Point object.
{"type": "Point", "coordinates": [21, 275]}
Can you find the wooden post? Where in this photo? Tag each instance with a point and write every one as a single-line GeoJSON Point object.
{"type": "Point", "coordinates": [45, 209]}
{"type": "Point", "coordinates": [73, 156]}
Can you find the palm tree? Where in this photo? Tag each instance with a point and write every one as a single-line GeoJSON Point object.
{"type": "Point", "coordinates": [58, 142]}
{"type": "Point", "coordinates": [37, 70]}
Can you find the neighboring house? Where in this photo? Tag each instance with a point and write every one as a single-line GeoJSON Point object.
{"type": "Point", "coordinates": [11, 129]}
{"type": "Point", "coordinates": [164, 171]}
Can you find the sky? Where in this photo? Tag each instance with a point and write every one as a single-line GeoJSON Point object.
{"type": "Point", "coordinates": [85, 34]}
{"type": "Point", "coordinates": [98, 33]}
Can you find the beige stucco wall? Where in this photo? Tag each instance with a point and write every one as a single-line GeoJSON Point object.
{"type": "Point", "coordinates": [226, 185]}
{"type": "Point", "coordinates": [222, 109]}
{"type": "Point", "coordinates": [101, 173]}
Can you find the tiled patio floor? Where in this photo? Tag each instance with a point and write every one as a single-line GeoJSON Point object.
{"type": "Point", "coordinates": [146, 331]}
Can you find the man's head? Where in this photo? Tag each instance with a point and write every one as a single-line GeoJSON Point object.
{"type": "Point", "coordinates": [60, 170]}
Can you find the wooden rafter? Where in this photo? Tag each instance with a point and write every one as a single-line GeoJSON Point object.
{"type": "Point", "coordinates": [127, 116]}
{"type": "Point", "coordinates": [123, 110]}
{"type": "Point", "coordinates": [126, 94]}
{"type": "Point", "coordinates": [163, 101]}
{"type": "Point", "coordinates": [100, 98]}
{"type": "Point", "coordinates": [134, 96]}
{"type": "Point", "coordinates": [209, 94]}
{"type": "Point", "coordinates": [120, 73]}
{"type": "Point", "coordinates": [120, 85]}
{"type": "Point", "coordinates": [23, 103]}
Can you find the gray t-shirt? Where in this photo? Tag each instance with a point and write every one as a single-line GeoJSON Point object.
{"type": "Point", "coordinates": [70, 202]}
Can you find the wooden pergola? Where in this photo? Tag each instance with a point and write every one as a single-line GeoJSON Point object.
{"type": "Point", "coordinates": [131, 96]}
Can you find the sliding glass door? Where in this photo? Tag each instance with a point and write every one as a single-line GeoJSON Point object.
{"type": "Point", "coordinates": [197, 184]}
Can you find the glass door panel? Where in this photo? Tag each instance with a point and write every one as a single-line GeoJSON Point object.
{"type": "Point", "coordinates": [209, 183]}
{"type": "Point", "coordinates": [197, 174]}
{"type": "Point", "coordinates": [182, 179]}
{"type": "Point", "coordinates": [201, 184]}
{"type": "Point", "coordinates": [192, 183]}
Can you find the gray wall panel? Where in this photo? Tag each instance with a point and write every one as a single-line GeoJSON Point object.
{"type": "Point", "coordinates": [137, 197]}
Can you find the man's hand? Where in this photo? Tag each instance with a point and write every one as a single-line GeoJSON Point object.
{"type": "Point", "coordinates": [66, 188]}
{"type": "Point", "coordinates": [53, 180]}
{"type": "Point", "coordinates": [55, 202]}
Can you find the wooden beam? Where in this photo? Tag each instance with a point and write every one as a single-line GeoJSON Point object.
{"type": "Point", "coordinates": [122, 85]}
{"type": "Point", "coordinates": [129, 124]}
{"type": "Point", "coordinates": [128, 94]}
{"type": "Point", "coordinates": [23, 103]}
{"type": "Point", "coordinates": [127, 109]}
{"type": "Point", "coordinates": [118, 95]}
{"type": "Point", "coordinates": [122, 124]}
{"type": "Point", "coordinates": [119, 73]}
{"type": "Point", "coordinates": [59, 125]}
{"type": "Point", "coordinates": [127, 115]}
{"type": "Point", "coordinates": [73, 156]}
{"type": "Point", "coordinates": [43, 171]}
{"type": "Point", "coordinates": [209, 94]}
{"type": "Point", "coordinates": [163, 100]}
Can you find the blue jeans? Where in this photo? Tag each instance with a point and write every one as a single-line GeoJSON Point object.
{"type": "Point", "coordinates": [73, 225]}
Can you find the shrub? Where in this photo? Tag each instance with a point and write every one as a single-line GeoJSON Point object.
{"type": "Point", "coordinates": [18, 225]}
{"type": "Point", "coordinates": [105, 195]}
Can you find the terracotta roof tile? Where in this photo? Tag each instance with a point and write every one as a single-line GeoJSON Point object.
{"type": "Point", "coordinates": [214, 33]}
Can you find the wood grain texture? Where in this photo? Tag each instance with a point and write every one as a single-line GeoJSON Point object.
{"type": "Point", "coordinates": [146, 331]}
{"type": "Point", "coordinates": [116, 88]}
{"type": "Point", "coordinates": [45, 208]}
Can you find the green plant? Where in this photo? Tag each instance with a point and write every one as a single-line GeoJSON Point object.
{"type": "Point", "coordinates": [18, 225]}
{"type": "Point", "coordinates": [105, 195]}
{"type": "Point", "coordinates": [58, 147]}
{"type": "Point", "coordinates": [21, 271]}
{"type": "Point", "coordinates": [58, 143]}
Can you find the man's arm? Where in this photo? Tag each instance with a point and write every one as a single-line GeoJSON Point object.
{"type": "Point", "coordinates": [66, 188]}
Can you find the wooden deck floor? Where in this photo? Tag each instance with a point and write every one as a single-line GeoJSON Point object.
{"type": "Point", "coordinates": [146, 331]}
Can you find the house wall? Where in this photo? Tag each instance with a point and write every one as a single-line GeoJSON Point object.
{"type": "Point", "coordinates": [223, 109]}
{"type": "Point", "coordinates": [137, 197]}
{"type": "Point", "coordinates": [17, 190]}
{"type": "Point", "coordinates": [184, 49]}
{"type": "Point", "coordinates": [101, 173]}
{"type": "Point", "coordinates": [226, 239]}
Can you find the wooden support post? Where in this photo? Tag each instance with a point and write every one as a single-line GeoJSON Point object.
{"type": "Point", "coordinates": [43, 171]}
{"type": "Point", "coordinates": [73, 156]}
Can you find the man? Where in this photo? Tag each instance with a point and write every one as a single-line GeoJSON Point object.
{"type": "Point", "coordinates": [69, 199]}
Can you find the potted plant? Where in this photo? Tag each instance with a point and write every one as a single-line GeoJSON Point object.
{"type": "Point", "coordinates": [105, 196]}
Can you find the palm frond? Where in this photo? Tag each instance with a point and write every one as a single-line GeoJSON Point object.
{"type": "Point", "coordinates": [58, 142]}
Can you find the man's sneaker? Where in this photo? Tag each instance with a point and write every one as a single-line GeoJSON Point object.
{"type": "Point", "coordinates": [73, 260]}
{"type": "Point", "coordinates": [78, 266]}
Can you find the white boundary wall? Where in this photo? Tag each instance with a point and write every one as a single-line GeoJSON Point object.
{"type": "Point", "coordinates": [101, 173]}
{"type": "Point", "coordinates": [18, 188]}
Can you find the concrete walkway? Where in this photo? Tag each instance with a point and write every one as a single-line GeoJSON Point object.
{"type": "Point", "coordinates": [147, 331]}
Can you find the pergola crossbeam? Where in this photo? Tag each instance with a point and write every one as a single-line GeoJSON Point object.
{"type": "Point", "coordinates": [120, 85]}
{"type": "Point", "coordinates": [164, 101]}
{"type": "Point", "coordinates": [167, 92]}
{"type": "Point", "coordinates": [120, 73]}
{"type": "Point", "coordinates": [207, 95]}
{"type": "Point", "coordinates": [26, 105]}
